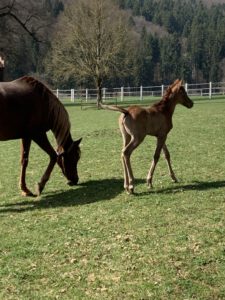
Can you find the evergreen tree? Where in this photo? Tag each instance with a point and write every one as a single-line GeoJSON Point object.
{"type": "Point", "coordinates": [170, 50]}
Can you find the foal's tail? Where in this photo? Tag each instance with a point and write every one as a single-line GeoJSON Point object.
{"type": "Point", "coordinates": [115, 108]}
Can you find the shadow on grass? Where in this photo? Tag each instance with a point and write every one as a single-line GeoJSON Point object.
{"type": "Point", "coordinates": [194, 186]}
{"type": "Point", "coordinates": [95, 191]}
{"type": "Point", "coordinates": [85, 193]}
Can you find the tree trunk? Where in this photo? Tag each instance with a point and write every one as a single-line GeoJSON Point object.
{"type": "Point", "coordinates": [99, 92]}
{"type": "Point", "coordinates": [2, 68]}
{"type": "Point", "coordinates": [1, 74]}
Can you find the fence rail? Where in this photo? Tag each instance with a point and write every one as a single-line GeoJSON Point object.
{"type": "Point", "coordinates": [138, 93]}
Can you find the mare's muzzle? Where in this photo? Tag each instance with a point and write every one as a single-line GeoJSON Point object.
{"type": "Point", "coordinates": [73, 182]}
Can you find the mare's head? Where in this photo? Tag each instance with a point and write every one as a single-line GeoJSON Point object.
{"type": "Point", "coordinates": [180, 95]}
{"type": "Point", "coordinates": [68, 160]}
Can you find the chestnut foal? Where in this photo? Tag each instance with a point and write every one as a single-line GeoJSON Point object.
{"type": "Point", "coordinates": [136, 122]}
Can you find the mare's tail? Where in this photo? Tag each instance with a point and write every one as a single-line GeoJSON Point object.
{"type": "Point", "coordinates": [115, 108]}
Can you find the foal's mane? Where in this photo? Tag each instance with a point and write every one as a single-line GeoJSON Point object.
{"type": "Point", "coordinates": [163, 104]}
{"type": "Point", "coordinates": [57, 114]}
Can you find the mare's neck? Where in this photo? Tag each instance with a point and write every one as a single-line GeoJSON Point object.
{"type": "Point", "coordinates": [60, 125]}
{"type": "Point", "coordinates": [67, 143]}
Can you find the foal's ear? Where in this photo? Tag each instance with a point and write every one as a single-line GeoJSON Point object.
{"type": "Point", "coordinates": [179, 84]}
{"type": "Point", "coordinates": [176, 85]}
{"type": "Point", "coordinates": [173, 85]}
{"type": "Point", "coordinates": [176, 82]}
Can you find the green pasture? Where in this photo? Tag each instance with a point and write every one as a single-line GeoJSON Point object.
{"type": "Point", "coordinates": [94, 241]}
{"type": "Point", "coordinates": [130, 100]}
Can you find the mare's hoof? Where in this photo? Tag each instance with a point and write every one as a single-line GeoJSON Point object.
{"type": "Point", "coordinates": [39, 189]}
{"type": "Point", "coordinates": [173, 177]}
{"type": "Point", "coordinates": [27, 194]}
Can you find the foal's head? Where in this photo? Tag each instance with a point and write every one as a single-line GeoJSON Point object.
{"type": "Point", "coordinates": [68, 162]}
{"type": "Point", "coordinates": [180, 95]}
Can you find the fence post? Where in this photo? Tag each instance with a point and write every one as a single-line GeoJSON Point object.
{"type": "Point", "coordinates": [72, 95]}
{"type": "Point", "coordinates": [122, 92]}
{"type": "Point", "coordinates": [86, 95]}
{"type": "Point", "coordinates": [57, 93]}
{"type": "Point", "coordinates": [186, 87]}
{"type": "Point", "coordinates": [141, 92]}
{"type": "Point", "coordinates": [104, 93]}
{"type": "Point", "coordinates": [210, 90]}
{"type": "Point", "coordinates": [162, 90]}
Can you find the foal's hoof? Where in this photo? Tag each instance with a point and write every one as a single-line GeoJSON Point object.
{"type": "Point", "coordinates": [130, 191]}
{"type": "Point", "coordinates": [39, 189]}
{"type": "Point", "coordinates": [149, 185]}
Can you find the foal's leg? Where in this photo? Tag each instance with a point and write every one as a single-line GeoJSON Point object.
{"type": "Point", "coordinates": [160, 143]}
{"type": "Point", "coordinates": [44, 144]}
{"type": "Point", "coordinates": [126, 139]}
{"type": "Point", "coordinates": [167, 157]}
{"type": "Point", "coordinates": [126, 153]}
{"type": "Point", "coordinates": [25, 149]}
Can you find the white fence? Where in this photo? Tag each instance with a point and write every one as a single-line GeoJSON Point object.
{"type": "Point", "coordinates": [140, 93]}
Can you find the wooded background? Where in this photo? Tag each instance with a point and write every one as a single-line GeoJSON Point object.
{"type": "Point", "coordinates": [166, 38]}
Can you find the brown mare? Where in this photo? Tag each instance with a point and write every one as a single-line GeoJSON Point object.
{"type": "Point", "coordinates": [136, 122]}
{"type": "Point", "coordinates": [28, 109]}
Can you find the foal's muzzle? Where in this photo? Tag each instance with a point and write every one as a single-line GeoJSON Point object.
{"type": "Point", "coordinates": [189, 104]}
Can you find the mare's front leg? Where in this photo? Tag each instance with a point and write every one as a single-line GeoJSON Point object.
{"type": "Point", "coordinates": [44, 144]}
{"type": "Point", "coordinates": [160, 143]}
{"type": "Point", "coordinates": [25, 149]}
{"type": "Point", "coordinates": [167, 157]}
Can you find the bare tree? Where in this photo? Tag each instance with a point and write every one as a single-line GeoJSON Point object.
{"type": "Point", "coordinates": [25, 28]}
{"type": "Point", "coordinates": [21, 13]}
{"type": "Point", "coordinates": [90, 42]}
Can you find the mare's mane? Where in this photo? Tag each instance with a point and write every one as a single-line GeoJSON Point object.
{"type": "Point", "coordinates": [57, 114]}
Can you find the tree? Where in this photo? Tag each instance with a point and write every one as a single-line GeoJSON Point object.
{"type": "Point", "coordinates": [145, 59]}
{"type": "Point", "coordinates": [95, 43]}
{"type": "Point", "coordinates": [170, 50]}
{"type": "Point", "coordinates": [25, 29]}
{"type": "Point", "coordinates": [22, 15]}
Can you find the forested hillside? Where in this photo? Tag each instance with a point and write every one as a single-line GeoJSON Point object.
{"type": "Point", "coordinates": [175, 38]}
{"type": "Point", "coordinates": [194, 46]}
{"type": "Point", "coordinates": [211, 2]}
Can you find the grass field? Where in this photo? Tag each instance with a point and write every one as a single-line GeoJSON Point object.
{"type": "Point", "coordinates": [94, 241]}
